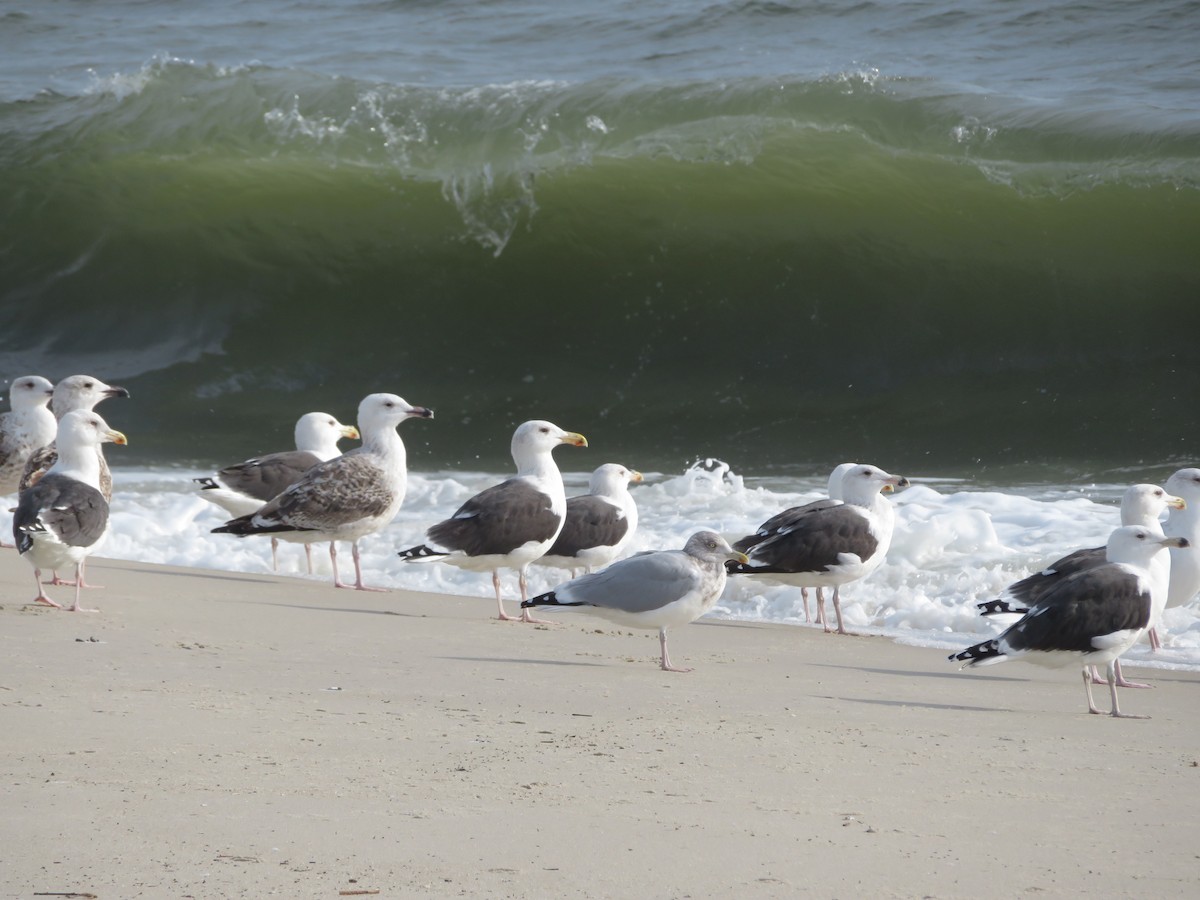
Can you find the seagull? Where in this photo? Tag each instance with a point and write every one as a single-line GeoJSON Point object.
{"type": "Point", "coordinates": [785, 518]}
{"type": "Point", "coordinates": [1090, 617]}
{"type": "Point", "coordinates": [1184, 523]}
{"type": "Point", "coordinates": [244, 487]}
{"type": "Point", "coordinates": [1141, 504]}
{"type": "Point", "coordinates": [62, 518]}
{"type": "Point", "coordinates": [660, 589]}
{"type": "Point", "coordinates": [829, 544]}
{"type": "Point", "coordinates": [347, 497]}
{"type": "Point", "coordinates": [76, 392]}
{"type": "Point", "coordinates": [599, 524]}
{"type": "Point", "coordinates": [28, 426]}
{"type": "Point", "coordinates": [510, 524]}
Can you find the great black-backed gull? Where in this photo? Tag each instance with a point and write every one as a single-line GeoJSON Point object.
{"type": "Point", "coordinates": [345, 498]}
{"type": "Point", "coordinates": [599, 524]}
{"type": "Point", "coordinates": [661, 589]}
{"type": "Point", "coordinates": [829, 544]}
{"type": "Point", "coordinates": [244, 487]}
{"type": "Point", "coordinates": [1141, 504]}
{"type": "Point", "coordinates": [1091, 617]}
{"type": "Point", "coordinates": [782, 520]}
{"type": "Point", "coordinates": [62, 518]}
{"type": "Point", "coordinates": [510, 524]}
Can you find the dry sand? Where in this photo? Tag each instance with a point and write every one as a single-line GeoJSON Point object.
{"type": "Point", "coordinates": [217, 735]}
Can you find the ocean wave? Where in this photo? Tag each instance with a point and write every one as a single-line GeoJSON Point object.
{"type": "Point", "coordinates": [822, 261]}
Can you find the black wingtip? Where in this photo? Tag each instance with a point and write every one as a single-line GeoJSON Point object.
{"type": "Point", "coordinates": [733, 567]}
{"type": "Point", "coordinates": [999, 607]}
{"type": "Point", "coordinates": [977, 653]}
{"type": "Point", "coordinates": [239, 526]}
{"type": "Point", "coordinates": [546, 599]}
{"type": "Point", "coordinates": [423, 551]}
{"type": "Point", "coordinates": [206, 484]}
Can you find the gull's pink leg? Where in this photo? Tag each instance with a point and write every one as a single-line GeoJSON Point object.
{"type": "Point", "coordinates": [75, 607]}
{"type": "Point", "coordinates": [1112, 689]}
{"type": "Point", "coordinates": [504, 617]}
{"type": "Point", "coordinates": [526, 616]}
{"type": "Point", "coordinates": [358, 582]}
{"type": "Point", "coordinates": [666, 657]}
{"type": "Point", "coordinates": [1155, 643]}
{"type": "Point", "coordinates": [837, 608]}
{"type": "Point", "coordinates": [1121, 682]}
{"type": "Point", "coordinates": [821, 606]}
{"type": "Point", "coordinates": [308, 556]}
{"type": "Point", "coordinates": [804, 598]}
{"type": "Point", "coordinates": [1087, 686]}
{"type": "Point", "coordinates": [42, 597]}
{"type": "Point", "coordinates": [337, 582]}
{"type": "Point", "coordinates": [79, 581]}
{"type": "Point", "coordinates": [275, 554]}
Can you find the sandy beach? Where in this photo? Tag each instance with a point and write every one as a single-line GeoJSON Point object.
{"type": "Point", "coordinates": [213, 735]}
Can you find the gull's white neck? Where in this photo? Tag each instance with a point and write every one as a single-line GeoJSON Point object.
{"type": "Point", "coordinates": [80, 463]}
{"type": "Point", "coordinates": [538, 465]}
{"type": "Point", "coordinates": [385, 443]}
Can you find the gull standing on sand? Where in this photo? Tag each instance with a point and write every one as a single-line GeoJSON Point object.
{"type": "Point", "coordinates": [830, 544]}
{"type": "Point", "coordinates": [347, 497]}
{"type": "Point", "coordinates": [62, 518]}
{"type": "Point", "coordinates": [660, 589]}
{"type": "Point", "coordinates": [1141, 504]}
{"type": "Point", "coordinates": [1090, 617]}
{"type": "Point", "coordinates": [244, 487]}
{"type": "Point", "coordinates": [510, 524]}
{"type": "Point", "coordinates": [78, 392]}
{"type": "Point", "coordinates": [599, 524]}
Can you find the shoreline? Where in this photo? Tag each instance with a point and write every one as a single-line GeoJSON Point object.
{"type": "Point", "coordinates": [237, 735]}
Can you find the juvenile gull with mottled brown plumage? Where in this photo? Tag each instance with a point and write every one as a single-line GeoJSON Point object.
{"type": "Point", "coordinates": [27, 427]}
{"type": "Point", "coordinates": [242, 489]}
{"type": "Point", "coordinates": [348, 497]}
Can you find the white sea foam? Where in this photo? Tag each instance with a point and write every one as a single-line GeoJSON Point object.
{"type": "Point", "coordinates": [953, 546]}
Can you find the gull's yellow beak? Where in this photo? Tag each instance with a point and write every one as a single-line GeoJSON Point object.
{"type": "Point", "coordinates": [574, 439]}
{"type": "Point", "coordinates": [351, 432]}
{"type": "Point", "coordinates": [637, 478]}
{"type": "Point", "coordinates": [116, 437]}
{"type": "Point", "coordinates": [1176, 503]}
